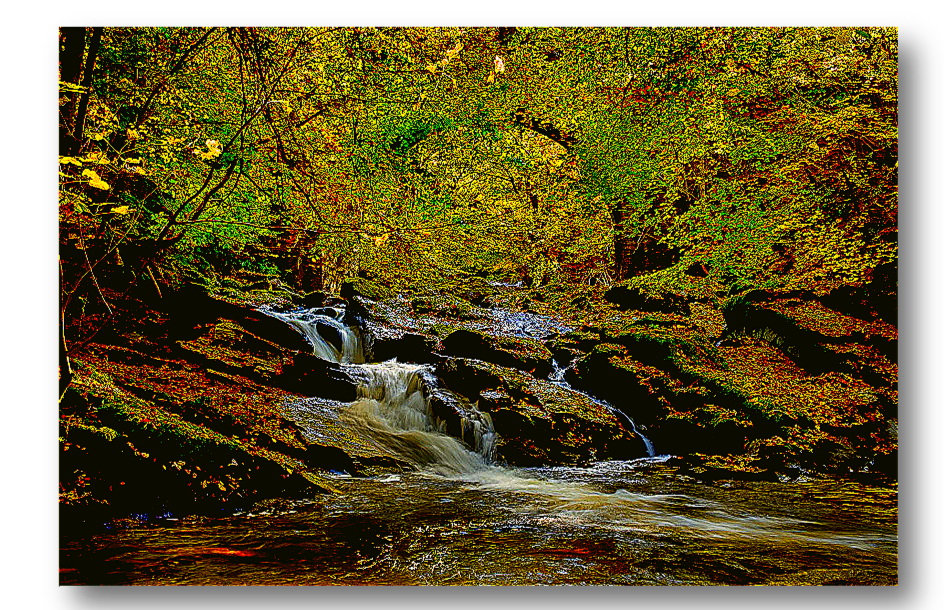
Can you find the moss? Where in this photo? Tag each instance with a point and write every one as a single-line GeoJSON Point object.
{"type": "Point", "coordinates": [812, 315]}
{"type": "Point", "coordinates": [150, 426]}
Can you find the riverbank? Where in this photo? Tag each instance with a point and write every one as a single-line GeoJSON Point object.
{"type": "Point", "coordinates": [187, 406]}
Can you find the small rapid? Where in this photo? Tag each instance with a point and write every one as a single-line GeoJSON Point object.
{"type": "Point", "coordinates": [393, 408]}
{"type": "Point", "coordinates": [330, 338]}
{"type": "Point", "coordinates": [394, 401]}
{"type": "Point", "coordinates": [456, 517]}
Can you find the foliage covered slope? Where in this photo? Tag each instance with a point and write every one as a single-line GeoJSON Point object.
{"type": "Point", "coordinates": [749, 173]}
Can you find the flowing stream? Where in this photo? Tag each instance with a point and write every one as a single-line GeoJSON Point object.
{"type": "Point", "coordinates": [460, 518]}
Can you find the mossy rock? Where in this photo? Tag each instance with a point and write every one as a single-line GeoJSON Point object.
{"type": "Point", "coordinates": [524, 354]}
{"type": "Point", "coordinates": [540, 422]}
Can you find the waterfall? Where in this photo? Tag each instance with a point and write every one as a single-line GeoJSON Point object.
{"type": "Point", "coordinates": [393, 409]}
{"type": "Point", "coordinates": [632, 424]}
{"type": "Point", "coordinates": [557, 377]}
{"type": "Point", "coordinates": [393, 406]}
{"type": "Point", "coordinates": [315, 324]}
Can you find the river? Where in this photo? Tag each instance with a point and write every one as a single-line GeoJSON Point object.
{"type": "Point", "coordinates": [461, 519]}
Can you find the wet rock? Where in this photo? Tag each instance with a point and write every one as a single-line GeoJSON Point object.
{"type": "Point", "coordinates": [337, 446]}
{"type": "Point", "coordinates": [539, 422]}
{"type": "Point", "coordinates": [681, 413]}
{"type": "Point", "coordinates": [524, 354]}
{"type": "Point", "coordinates": [314, 299]}
{"type": "Point", "coordinates": [331, 334]}
{"type": "Point", "coordinates": [307, 375]}
{"type": "Point", "coordinates": [460, 417]}
{"type": "Point", "coordinates": [385, 342]}
{"type": "Point", "coordinates": [604, 376]}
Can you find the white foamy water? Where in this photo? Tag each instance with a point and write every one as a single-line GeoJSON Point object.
{"type": "Point", "coordinates": [307, 323]}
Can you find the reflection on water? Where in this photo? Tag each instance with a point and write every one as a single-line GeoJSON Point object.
{"type": "Point", "coordinates": [460, 519]}
{"type": "Point", "coordinates": [636, 522]}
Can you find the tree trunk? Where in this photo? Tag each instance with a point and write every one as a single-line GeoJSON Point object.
{"type": "Point", "coordinates": [621, 246]}
{"type": "Point", "coordinates": [70, 65]}
{"type": "Point", "coordinates": [73, 141]}
{"type": "Point", "coordinates": [632, 257]}
{"type": "Point", "coordinates": [70, 55]}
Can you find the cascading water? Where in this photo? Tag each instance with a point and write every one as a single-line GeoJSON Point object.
{"type": "Point", "coordinates": [613, 522]}
{"type": "Point", "coordinates": [315, 324]}
{"type": "Point", "coordinates": [393, 406]}
{"type": "Point", "coordinates": [632, 424]}
{"type": "Point", "coordinates": [557, 376]}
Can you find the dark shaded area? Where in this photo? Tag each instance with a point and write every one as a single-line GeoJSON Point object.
{"type": "Point", "coordinates": [483, 347]}
{"type": "Point", "coordinates": [875, 299]}
{"type": "Point", "coordinates": [626, 298]}
{"type": "Point", "coordinates": [522, 118]}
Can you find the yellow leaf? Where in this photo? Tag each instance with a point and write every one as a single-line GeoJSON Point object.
{"type": "Point", "coordinates": [68, 160]}
{"type": "Point", "coordinates": [94, 180]}
{"type": "Point", "coordinates": [97, 157]}
{"type": "Point", "coordinates": [491, 78]}
{"type": "Point", "coordinates": [122, 209]}
{"type": "Point", "coordinates": [214, 150]}
{"type": "Point", "coordinates": [431, 68]}
{"type": "Point", "coordinates": [132, 134]}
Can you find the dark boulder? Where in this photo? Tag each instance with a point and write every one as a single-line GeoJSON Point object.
{"type": "Point", "coordinates": [404, 346]}
{"type": "Point", "coordinates": [601, 375]}
{"type": "Point", "coordinates": [308, 375]}
{"type": "Point", "coordinates": [626, 298]}
{"type": "Point", "coordinates": [539, 422]}
{"type": "Point", "coordinates": [523, 354]}
{"type": "Point", "coordinates": [330, 334]}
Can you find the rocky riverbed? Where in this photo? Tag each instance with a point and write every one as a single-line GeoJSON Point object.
{"type": "Point", "coordinates": [204, 402]}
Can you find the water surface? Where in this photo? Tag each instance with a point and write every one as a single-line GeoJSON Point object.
{"type": "Point", "coordinates": [636, 522]}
